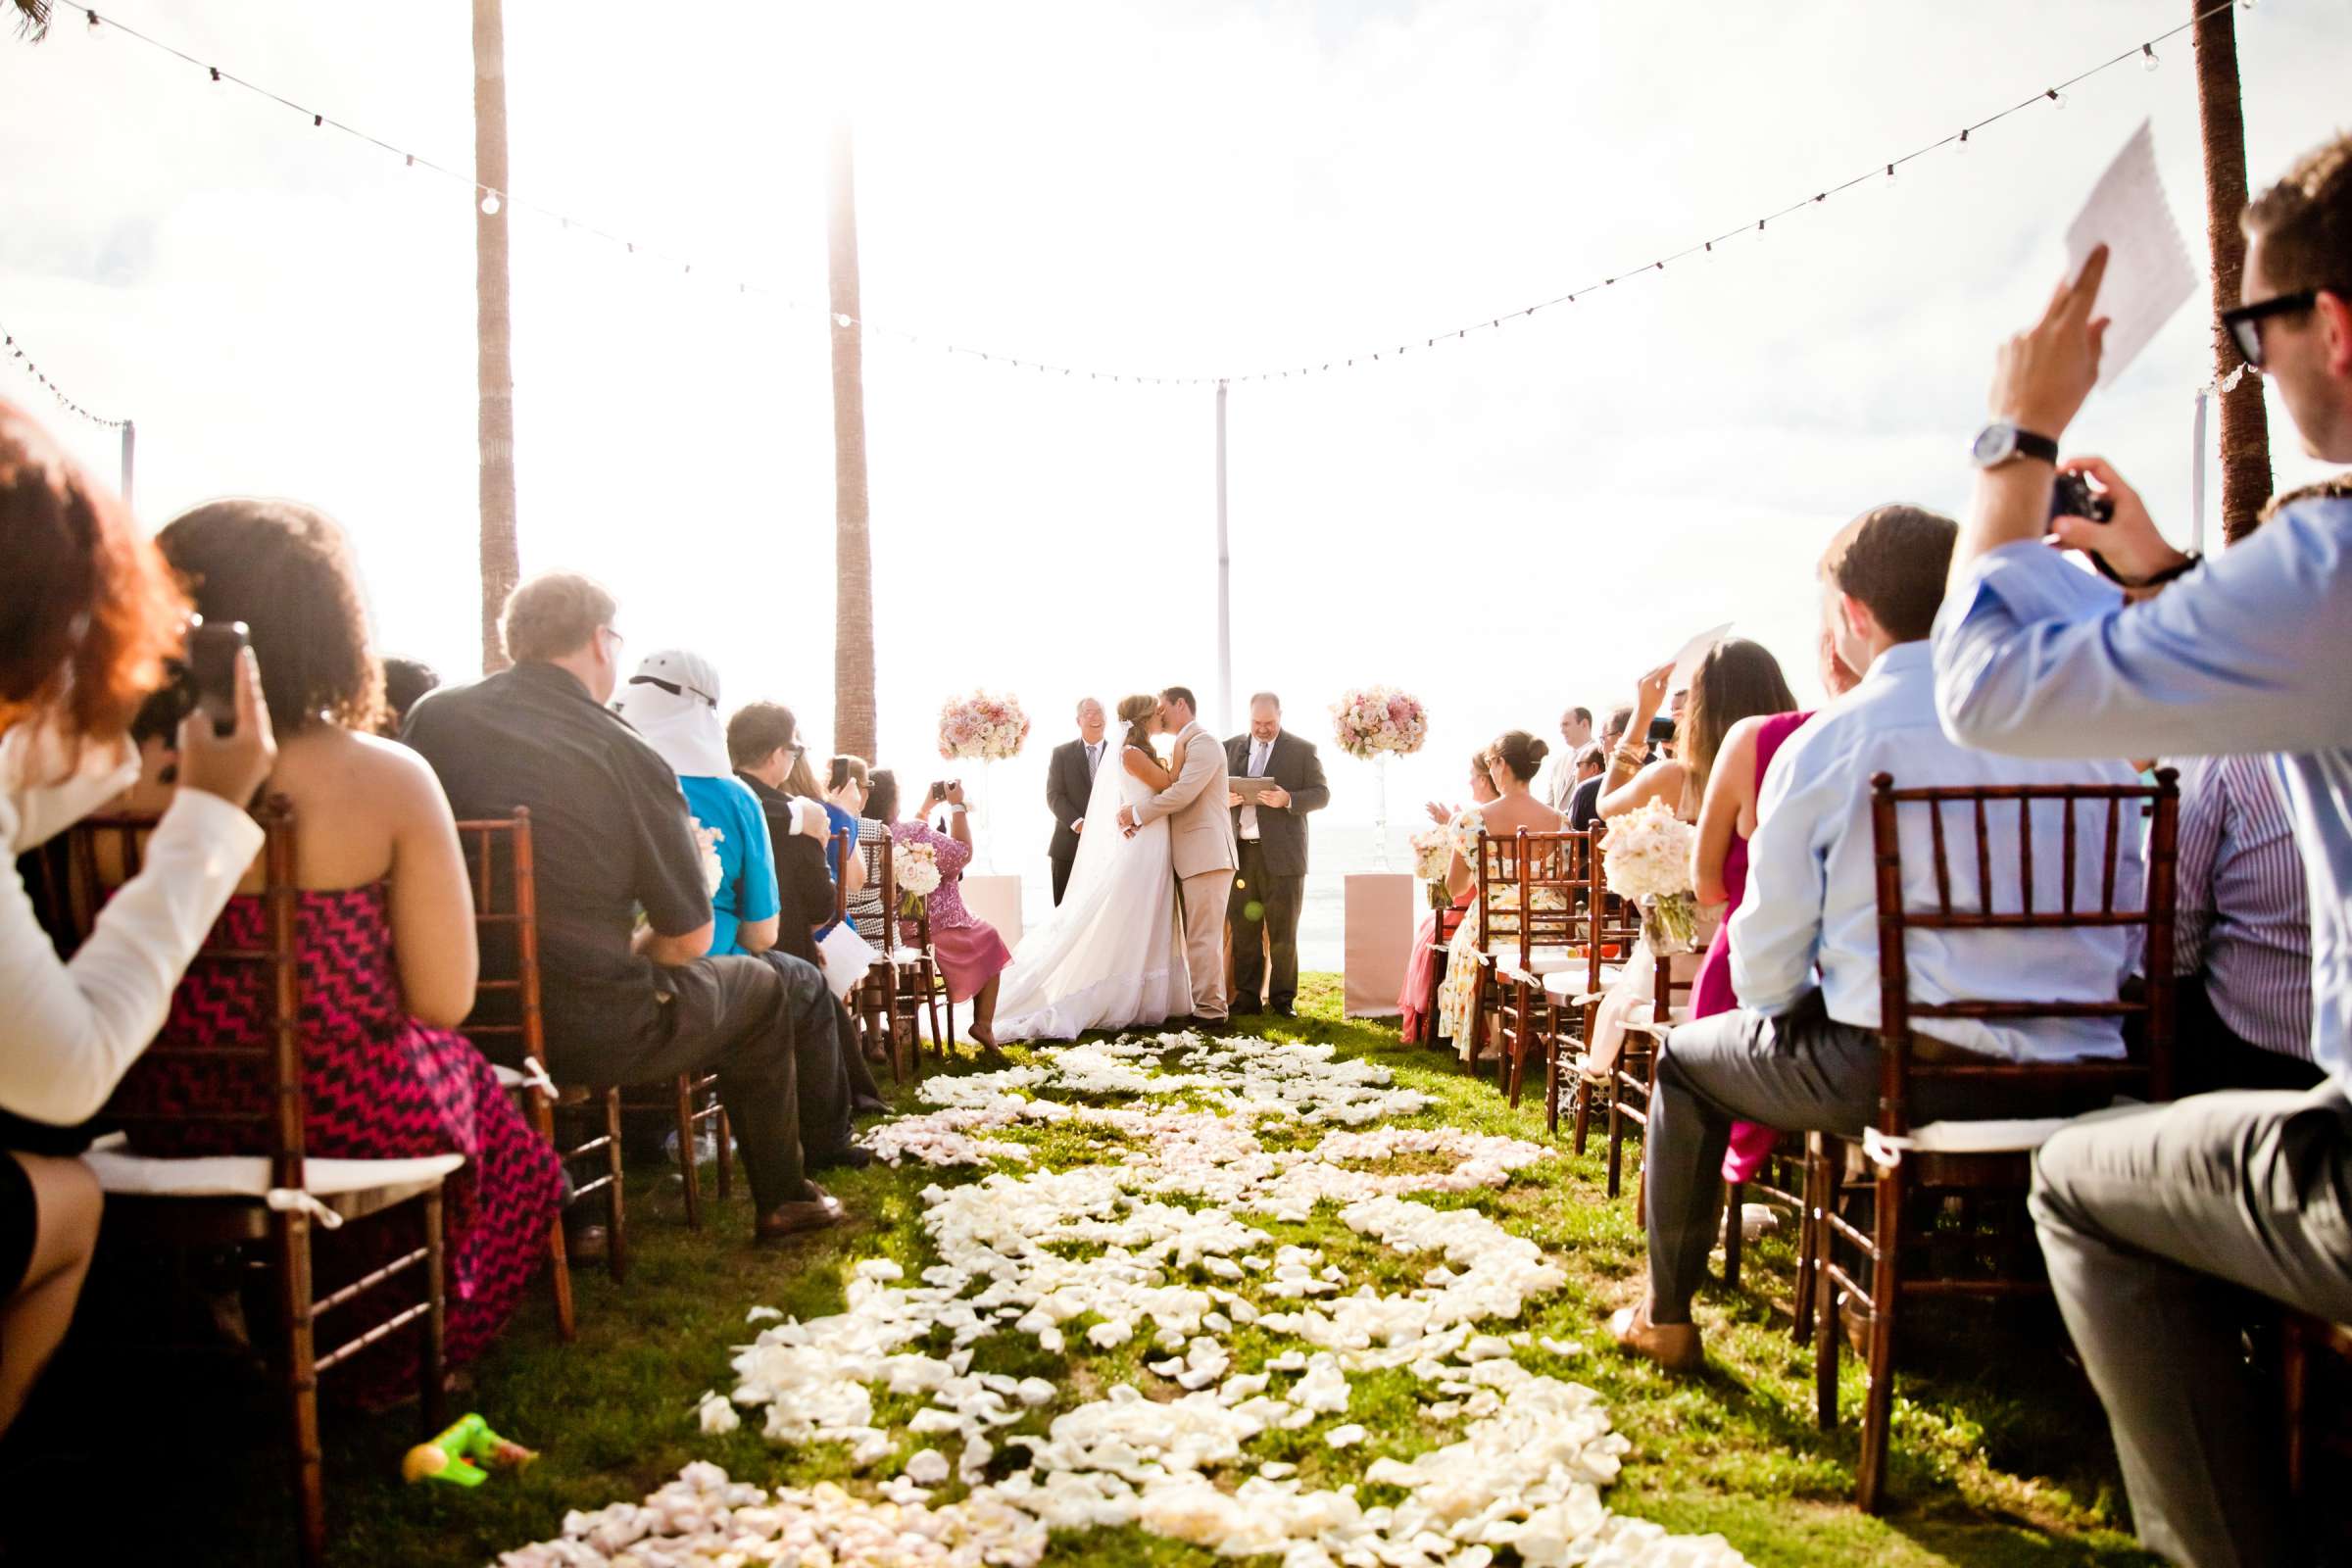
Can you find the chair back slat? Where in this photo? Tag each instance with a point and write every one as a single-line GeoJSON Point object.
{"type": "Point", "coordinates": [1943, 869]}
{"type": "Point", "coordinates": [502, 871]}
{"type": "Point", "coordinates": [108, 850]}
{"type": "Point", "coordinates": [844, 845]}
{"type": "Point", "coordinates": [1554, 874]}
{"type": "Point", "coordinates": [1896, 918]}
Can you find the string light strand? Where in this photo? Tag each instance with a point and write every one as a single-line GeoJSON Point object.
{"type": "Point", "coordinates": [14, 353]}
{"type": "Point", "coordinates": [492, 201]}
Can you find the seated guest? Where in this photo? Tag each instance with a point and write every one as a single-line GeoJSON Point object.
{"type": "Point", "coordinates": [1801, 1054]}
{"type": "Point", "coordinates": [2150, 1219]}
{"type": "Point", "coordinates": [385, 937]}
{"type": "Point", "coordinates": [90, 613]}
{"type": "Point", "coordinates": [1583, 802]}
{"type": "Point", "coordinates": [612, 835]}
{"type": "Point", "coordinates": [672, 701]}
{"type": "Point", "coordinates": [762, 744]}
{"type": "Point", "coordinates": [1726, 820]}
{"type": "Point", "coordinates": [1737, 680]}
{"type": "Point", "coordinates": [1410, 999]}
{"type": "Point", "coordinates": [971, 956]}
{"type": "Point", "coordinates": [873, 832]}
{"type": "Point", "coordinates": [1511, 766]}
{"type": "Point", "coordinates": [405, 681]}
{"type": "Point", "coordinates": [761, 741]}
{"type": "Point", "coordinates": [839, 800]}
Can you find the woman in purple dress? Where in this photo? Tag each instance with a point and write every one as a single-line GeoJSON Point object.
{"type": "Point", "coordinates": [970, 953]}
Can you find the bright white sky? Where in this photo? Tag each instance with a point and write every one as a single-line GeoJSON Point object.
{"type": "Point", "coordinates": [1504, 527]}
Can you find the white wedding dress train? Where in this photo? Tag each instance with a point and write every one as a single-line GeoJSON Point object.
{"type": "Point", "coordinates": [1111, 954]}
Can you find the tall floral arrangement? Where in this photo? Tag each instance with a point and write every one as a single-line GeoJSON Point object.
{"type": "Point", "coordinates": [980, 727]}
{"type": "Point", "coordinates": [1370, 720]}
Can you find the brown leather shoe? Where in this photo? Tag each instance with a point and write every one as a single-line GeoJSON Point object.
{"type": "Point", "coordinates": [1673, 1346]}
{"type": "Point", "coordinates": [795, 1219]}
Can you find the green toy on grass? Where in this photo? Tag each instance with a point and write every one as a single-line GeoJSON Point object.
{"type": "Point", "coordinates": [460, 1454]}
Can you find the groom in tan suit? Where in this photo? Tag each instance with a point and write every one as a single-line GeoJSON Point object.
{"type": "Point", "coordinates": [1199, 842]}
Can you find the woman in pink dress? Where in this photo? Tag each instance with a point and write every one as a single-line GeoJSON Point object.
{"type": "Point", "coordinates": [970, 953]}
{"type": "Point", "coordinates": [1719, 873]}
{"type": "Point", "coordinates": [1416, 1023]}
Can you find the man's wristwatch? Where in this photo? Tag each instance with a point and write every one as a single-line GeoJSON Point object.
{"type": "Point", "coordinates": [2004, 442]}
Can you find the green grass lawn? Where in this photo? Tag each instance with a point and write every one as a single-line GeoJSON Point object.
{"type": "Point", "coordinates": [2001, 1456]}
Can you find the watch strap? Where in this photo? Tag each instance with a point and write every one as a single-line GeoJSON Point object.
{"type": "Point", "coordinates": [2039, 447]}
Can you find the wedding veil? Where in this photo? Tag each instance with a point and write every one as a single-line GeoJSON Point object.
{"type": "Point", "coordinates": [1100, 844]}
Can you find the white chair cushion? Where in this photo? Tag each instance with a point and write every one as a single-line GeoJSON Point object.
{"type": "Point", "coordinates": [131, 1175]}
{"type": "Point", "coordinates": [906, 957]}
{"type": "Point", "coordinates": [1541, 961]}
{"type": "Point", "coordinates": [1568, 985]}
{"type": "Point", "coordinates": [2015, 1135]}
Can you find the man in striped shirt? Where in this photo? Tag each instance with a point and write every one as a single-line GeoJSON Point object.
{"type": "Point", "coordinates": [2242, 938]}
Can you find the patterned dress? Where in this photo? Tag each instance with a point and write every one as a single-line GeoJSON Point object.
{"type": "Point", "coordinates": [376, 1085]}
{"type": "Point", "coordinates": [1461, 986]}
{"type": "Point", "coordinates": [970, 953]}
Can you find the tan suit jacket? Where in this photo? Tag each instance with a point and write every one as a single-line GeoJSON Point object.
{"type": "Point", "coordinates": [1200, 822]}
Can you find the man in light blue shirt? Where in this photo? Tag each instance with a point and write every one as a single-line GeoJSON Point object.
{"type": "Point", "coordinates": [1802, 1053]}
{"type": "Point", "coordinates": [2145, 1217]}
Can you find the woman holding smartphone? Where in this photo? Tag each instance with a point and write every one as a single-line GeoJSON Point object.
{"type": "Point", "coordinates": [970, 953]}
{"type": "Point", "coordinates": [87, 616]}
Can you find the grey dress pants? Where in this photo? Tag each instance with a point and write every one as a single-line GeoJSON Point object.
{"type": "Point", "coordinates": [2148, 1220]}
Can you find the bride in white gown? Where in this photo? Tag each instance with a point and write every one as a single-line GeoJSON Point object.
{"type": "Point", "coordinates": [1111, 955]}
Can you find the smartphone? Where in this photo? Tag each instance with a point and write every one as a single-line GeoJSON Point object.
{"type": "Point", "coordinates": [213, 650]}
{"type": "Point", "coordinates": [1661, 729]}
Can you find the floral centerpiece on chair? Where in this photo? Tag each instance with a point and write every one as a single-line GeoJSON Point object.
{"type": "Point", "coordinates": [1372, 723]}
{"type": "Point", "coordinates": [1648, 861]}
{"type": "Point", "coordinates": [1433, 857]}
{"type": "Point", "coordinates": [917, 869]}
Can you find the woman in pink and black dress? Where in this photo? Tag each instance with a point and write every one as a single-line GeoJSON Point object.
{"type": "Point", "coordinates": [1418, 1026]}
{"type": "Point", "coordinates": [385, 939]}
{"type": "Point", "coordinates": [1726, 820]}
{"type": "Point", "coordinates": [970, 953]}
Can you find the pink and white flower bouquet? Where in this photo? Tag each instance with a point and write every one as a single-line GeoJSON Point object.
{"type": "Point", "coordinates": [1370, 720]}
{"type": "Point", "coordinates": [982, 728]}
{"type": "Point", "coordinates": [1649, 859]}
{"type": "Point", "coordinates": [915, 868]}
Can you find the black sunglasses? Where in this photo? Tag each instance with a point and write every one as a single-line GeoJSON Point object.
{"type": "Point", "coordinates": [674, 689]}
{"type": "Point", "coordinates": [2245, 322]}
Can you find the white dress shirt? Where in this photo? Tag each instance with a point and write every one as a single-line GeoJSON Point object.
{"type": "Point", "coordinates": [1812, 893]}
{"type": "Point", "coordinates": [2244, 655]}
{"type": "Point", "coordinates": [1262, 753]}
{"type": "Point", "coordinates": [72, 1028]}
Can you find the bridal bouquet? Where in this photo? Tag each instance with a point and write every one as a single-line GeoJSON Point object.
{"type": "Point", "coordinates": [1649, 859]}
{"type": "Point", "coordinates": [917, 868]}
{"type": "Point", "coordinates": [982, 728]}
{"type": "Point", "coordinates": [707, 840]}
{"type": "Point", "coordinates": [1371, 719]}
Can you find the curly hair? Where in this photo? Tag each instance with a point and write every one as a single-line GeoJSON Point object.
{"type": "Point", "coordinates": [285, 570]}
{"type": "Point", "coordinates": [88, 612]}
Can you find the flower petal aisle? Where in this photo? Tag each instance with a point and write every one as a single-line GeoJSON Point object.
{"type": "Point", "coordinates": [1251, 1337]}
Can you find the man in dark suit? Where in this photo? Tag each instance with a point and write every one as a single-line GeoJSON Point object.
{"type": "Point", "coordinates": [1583, 806]}
{"type": "Point", "coordinates": [1272, 834]}
{"type": "Point", "coordinates": [1069, 782]}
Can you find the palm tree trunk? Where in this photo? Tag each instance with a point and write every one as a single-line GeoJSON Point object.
{"type": "Point", "coordinates": [2245, 426]}
{"type": "Point", "coordinates": [853, 550]}
{"type": "Point", "coordinates": [494, 329]}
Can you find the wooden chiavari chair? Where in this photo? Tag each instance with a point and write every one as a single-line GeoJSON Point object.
{"type": "Point", "coordinates": [1611, 927]}
{"type": "Point", "coordinates": [506, 1025]}
{"type": "Point", "coordinates": [906, 975]}
{"type": "Point", "coordinates": [269, 1200]}
{"type": "Point", "coordinates": [1636, 1072]}
{"type": "Point", "coordinates": [1552, 872]}
{"type": "Point", "coordinates": [1959, 1177]}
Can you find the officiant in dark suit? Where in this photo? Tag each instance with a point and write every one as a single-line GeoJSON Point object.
{"type": "Point", "coordinates": [1263, 913]}
{"type": "Point", "coordinates": [1069, 784]}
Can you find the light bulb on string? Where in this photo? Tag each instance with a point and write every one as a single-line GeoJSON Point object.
{"type": "Point", "coordinates": [2148, 57]}
{"type": "Point", "coordinates": [490, 203]}
{"type": "Point", "coordinates": [1962, 141]}
{"type": "Point", "coordinates": [2057, 98]}
{"type": "Point", "coordinates": [1889, 173]}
